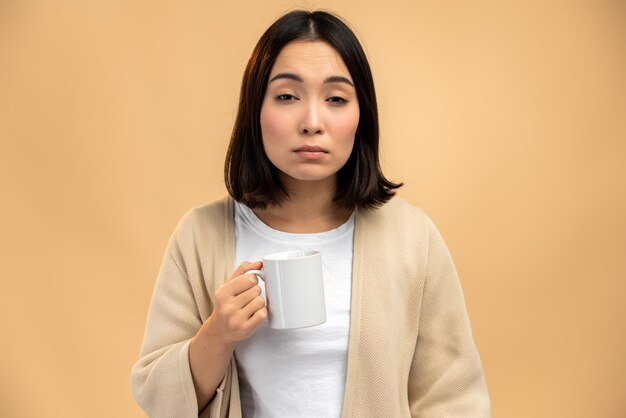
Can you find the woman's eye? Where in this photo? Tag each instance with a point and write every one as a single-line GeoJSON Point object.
{"type": "Point", "coordinates": [337, 100]}
{"type": "Point", "coordinates": [285, 98]}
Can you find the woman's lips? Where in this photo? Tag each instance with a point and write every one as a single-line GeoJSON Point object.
{"type": "Point", "coordinates": [311, 152]}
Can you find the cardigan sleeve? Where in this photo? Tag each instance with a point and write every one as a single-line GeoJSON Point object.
{"type": "Point", "coordinates": [446, 377]}
{"type": "Point", "coordinates": [161, 380]}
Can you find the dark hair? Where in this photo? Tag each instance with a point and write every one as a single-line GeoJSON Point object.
{"type": "Point", "coordinates": [250, 176]}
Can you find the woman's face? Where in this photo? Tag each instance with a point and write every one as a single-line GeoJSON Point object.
{"type": "Point", "coordinates": [310, 112]}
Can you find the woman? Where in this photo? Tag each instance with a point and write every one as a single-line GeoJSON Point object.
{"type": "Point", "coordinates": [302, 171]}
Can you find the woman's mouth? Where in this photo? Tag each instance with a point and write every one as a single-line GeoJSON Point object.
{"type": "Point", "coordinates": [311, 152]}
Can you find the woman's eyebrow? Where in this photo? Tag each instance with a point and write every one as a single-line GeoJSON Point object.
{"type": "Point", "coordinates": [338, 79]}
{"type": "Point", "coordinates": [296, 77]}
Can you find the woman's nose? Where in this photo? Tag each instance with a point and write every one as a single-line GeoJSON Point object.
{"type": "Point", "coordinates": [311, 120]}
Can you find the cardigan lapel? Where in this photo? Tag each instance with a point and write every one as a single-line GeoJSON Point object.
{"type": "Point", "coordinates": [358, 273]}
{"type": "Point", "coordinates": [232, 402]}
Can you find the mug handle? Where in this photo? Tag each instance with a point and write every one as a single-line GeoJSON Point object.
{"type": "Point", "coordinates": [257, 273]}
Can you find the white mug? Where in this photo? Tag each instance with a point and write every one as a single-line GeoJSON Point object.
{"type": "Point", "coordinates": [294, 288]}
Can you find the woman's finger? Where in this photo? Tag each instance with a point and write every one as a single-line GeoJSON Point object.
{"type": "Point", "coordinates": [256, 303]}
{"type": "Point", "coordinates": [241, 284]}
{"type": "Point", "coordinates": [245, 297]}
{"type": "Point", "coordinates": [256, 319]}
{"type": "Point", "coordinates": [245, 266]}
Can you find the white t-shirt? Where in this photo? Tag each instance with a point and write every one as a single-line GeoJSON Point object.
{"type": "Point", "coordinates": [297, 372]}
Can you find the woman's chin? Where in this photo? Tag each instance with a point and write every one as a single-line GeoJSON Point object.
{"type": "Point", "coordinates": [309, 177]}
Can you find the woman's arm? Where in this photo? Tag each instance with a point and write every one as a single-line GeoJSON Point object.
{"type": "Point", "coordinates": [446, 377]}
{"type": "Point", "coordinates": [239, 310]}
{"type": "Point", "coordinates": [161, 380]}
{"type": "Point", "coordinates": [182, 360]}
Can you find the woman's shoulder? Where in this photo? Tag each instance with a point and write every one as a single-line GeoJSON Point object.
{"type": "Point", "coordinates": [216, 208]}
{"type": "Point", "coordinates": [211, 217]}
{"type": "Point", "coordinates": [398, 212]}
{"type": "Point", "coordinates": [399, 217]}
{"type": "Point", "coordinates": [397, 205]}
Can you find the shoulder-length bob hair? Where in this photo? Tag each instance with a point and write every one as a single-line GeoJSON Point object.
{"type": "Point", "coordinates": [249, 175]}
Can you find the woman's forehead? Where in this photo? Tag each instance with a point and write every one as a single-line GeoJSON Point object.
{"type": "Point", "coordinates": [312, 57]}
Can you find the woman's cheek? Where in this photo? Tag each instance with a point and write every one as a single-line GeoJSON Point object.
{"type": "Point", "coordinates": [268, 127]}
{"type": "Point", "coordinates": [347, 126]}
{"type": "Point", "coordinates": [274, 125]}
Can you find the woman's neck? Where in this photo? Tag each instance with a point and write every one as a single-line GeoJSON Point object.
{"type": "Point", "coordinates": [309, 209]}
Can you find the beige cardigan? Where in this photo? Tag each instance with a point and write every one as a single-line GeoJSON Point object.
{"type": "Point", "coordinates": [411, 351]}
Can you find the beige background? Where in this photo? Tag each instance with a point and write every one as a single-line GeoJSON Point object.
{"type": "Point", "coordinates": [505, 120]}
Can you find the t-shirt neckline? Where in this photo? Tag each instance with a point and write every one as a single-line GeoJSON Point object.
{"type": "Point", "coordinates": [261, 227]}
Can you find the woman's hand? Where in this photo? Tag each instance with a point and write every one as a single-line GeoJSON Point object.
{"type": "Point", "coordinates": [239, 307]}
{"type": "Point", "coordinates": [239, 310]}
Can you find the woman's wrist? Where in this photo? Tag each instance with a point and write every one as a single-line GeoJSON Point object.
{"type": "Point", "coordinates": [210, 337]}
